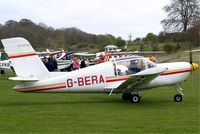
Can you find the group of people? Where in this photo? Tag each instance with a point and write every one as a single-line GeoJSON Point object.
{"type": "Point", "coordinates": [75, 64]}
{"type": "Point", "coordinates": [50, 63]}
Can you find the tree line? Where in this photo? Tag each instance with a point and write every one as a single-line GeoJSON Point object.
{"type": "Point", "coordinates": [42, 36]}
{"type": "Point", "coordinates": [169, 42]}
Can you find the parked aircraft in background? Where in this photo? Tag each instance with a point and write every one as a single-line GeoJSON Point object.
{"type": "Point", "coordinates": [128, 75]}
{"type": "Point", "coordinates": [5, 65]}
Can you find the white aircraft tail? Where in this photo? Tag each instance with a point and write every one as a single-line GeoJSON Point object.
{"type": "Point", "coordinates": [26, 63]}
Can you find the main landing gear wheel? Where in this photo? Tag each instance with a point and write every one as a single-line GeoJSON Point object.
{"type": "Point", "coordinates": [135, 98]}
{"type": "Point", "coordinates": [178, 98]}
{"type": "Point", "coordinates": [126, 96]}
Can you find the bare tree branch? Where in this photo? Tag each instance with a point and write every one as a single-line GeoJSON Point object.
{"type": "Point", "coordinates": [181, 15]}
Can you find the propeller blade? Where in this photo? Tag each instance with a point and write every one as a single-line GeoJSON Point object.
{"type": "Point", "coordinates": [190, 60]}
{"type": "Point", "coordinates": [190, 54]}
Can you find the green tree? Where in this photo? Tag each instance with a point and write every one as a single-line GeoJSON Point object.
{"type": "Point", "coordinates": [194, 34]}
{"type": "Point", "coordinates": [42, 36]}
{"type": "Point", "coordinates": [137, 40]}
{"type": "Point", "coordinates": [152, 39]}
{"type": "Point", "coordinates": [120, 42]}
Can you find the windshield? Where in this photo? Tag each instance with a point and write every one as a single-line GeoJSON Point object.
{"type": "Point", "coordinates": [132, 66]}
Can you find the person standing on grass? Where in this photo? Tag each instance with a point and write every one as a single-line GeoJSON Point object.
{"type": "Point", "coordinates": [83, 64]}
{"type": "Point", "coordinates": [3, 72]}
{"type": "Point", "coordinates": [55, 63]}
{"type": "Point", "coordinates": [75, 64]}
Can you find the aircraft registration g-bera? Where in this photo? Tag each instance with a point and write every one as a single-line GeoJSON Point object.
{"type": "Point", "coordinates": [123, 75]}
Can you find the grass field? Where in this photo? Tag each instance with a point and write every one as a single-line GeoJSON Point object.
{"type": "Point", "coordinates": [99, 113]}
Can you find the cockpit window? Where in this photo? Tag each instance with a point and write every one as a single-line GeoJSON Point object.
{"type": "Point", "coordinates": [132, 66]}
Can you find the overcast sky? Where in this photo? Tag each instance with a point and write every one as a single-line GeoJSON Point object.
{"type": "Point", "coordinates": [116, 17]}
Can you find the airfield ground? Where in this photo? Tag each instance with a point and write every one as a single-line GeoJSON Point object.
{"type": "Point", "coordinates": [99, 113]}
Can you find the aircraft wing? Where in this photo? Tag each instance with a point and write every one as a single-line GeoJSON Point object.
{"type": "Point", "coordinates": [130, 81]}
{"type": "Point", "coordinates": [46, 53]}
{"type": "Point", "coordinates": [138, 52]}
{"type": "Point", "coordinates": [84, 54]}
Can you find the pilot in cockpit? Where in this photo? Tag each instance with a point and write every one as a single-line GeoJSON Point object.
{"type": "Point", "coordinates": [134, 66]}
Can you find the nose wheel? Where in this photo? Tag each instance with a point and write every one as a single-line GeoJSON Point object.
{"type": "Point", "coordinates": [178, 97]}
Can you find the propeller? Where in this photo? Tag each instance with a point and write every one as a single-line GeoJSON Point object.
{"type": "Point", "coordinates": [193, 66]}
{"type": "Point", "coordinates": [190, 54]}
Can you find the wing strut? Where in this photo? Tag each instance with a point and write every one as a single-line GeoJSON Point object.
{"type": "Point", "coordinates": [111, 92]}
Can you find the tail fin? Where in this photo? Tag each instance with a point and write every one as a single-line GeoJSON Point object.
{"type": "Point", "coordinates": [25, 61]}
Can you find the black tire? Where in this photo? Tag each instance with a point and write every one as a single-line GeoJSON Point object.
{"type": "Point", "coordinates": [178, 98]}
{"type": "Point", "coordinates": [126, 96]}
{"type": "Point", "coordinates": [135, 98]}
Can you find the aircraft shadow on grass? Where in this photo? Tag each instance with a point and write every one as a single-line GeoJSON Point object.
{"type": "Point", "coordinates": [151, 103]}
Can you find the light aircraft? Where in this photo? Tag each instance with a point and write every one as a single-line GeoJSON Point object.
{"type": "Point", "coordinates": [128, 75]}
{"type": "Point", "coordinates": [5, 65]}
{"type": "Point", "coordinates": [62, 63]}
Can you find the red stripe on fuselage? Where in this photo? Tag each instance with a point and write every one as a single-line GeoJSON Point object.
{"type": "Point", "coordinates": [177, 72]}
{"type": "Point", "coordinates": [22, 55]}
{"type": "Point", "coordinates": [115, 80]}
{"type": "Point", "coordinates": [42, 89]}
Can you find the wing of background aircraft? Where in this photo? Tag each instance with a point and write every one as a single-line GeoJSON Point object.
{"type": "Point", "coordinates": [84, 54]}
{"type": "Point", "coordinates": [48, 52]}
{"type": "Point", "coordinates": [138, 52]}
{"type": "Point", "coordinates": [130, 81]}
{"type": "Point", "coordinates": [196, 50]}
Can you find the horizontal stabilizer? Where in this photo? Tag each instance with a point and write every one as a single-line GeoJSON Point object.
{"type": "Point", "coordinates": [23, 79]}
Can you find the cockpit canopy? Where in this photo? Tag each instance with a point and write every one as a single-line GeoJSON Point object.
{"type": "Point", "coordinates": [132, 65]}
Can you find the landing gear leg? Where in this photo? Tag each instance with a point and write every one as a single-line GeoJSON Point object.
{"type": "Point", "coordinates": [178, 97]}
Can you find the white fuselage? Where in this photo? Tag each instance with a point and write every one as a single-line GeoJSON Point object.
{"type": "Point", "coordinates": [127, 74]}
{"type": "Point", "coordinates": [95, 79]}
